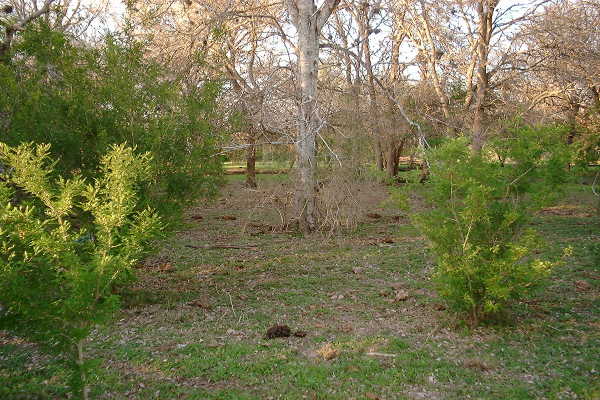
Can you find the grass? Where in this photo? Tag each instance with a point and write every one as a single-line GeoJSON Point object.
{"type": "Point", "coordinates": [196, 330]}
{"type": "Point", "coordinates": [260, 166]}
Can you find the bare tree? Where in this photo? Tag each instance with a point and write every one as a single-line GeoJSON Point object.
{"type": "Point", "coordinates": [427, 25]}
{"type": "Point", "coordinates": [229, 40]}
{"type": "Point", "coordinates": [564, 52]}
{"type": "Point", "coordinates": [495, 50]}
{"type": "Point", "coordinates": [309, 21]}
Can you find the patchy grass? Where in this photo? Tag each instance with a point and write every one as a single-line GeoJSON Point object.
{"type": "Point", "coordinates": [193, 326]}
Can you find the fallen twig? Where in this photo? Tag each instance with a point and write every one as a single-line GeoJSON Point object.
{"type": "Point", "coordinates": [220, 246]}
{"type": "Point", "coordinates": [375, 354]}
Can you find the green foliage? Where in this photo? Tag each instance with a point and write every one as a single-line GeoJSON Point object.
{"type": "Point", "coordinates": [475, 215]}
{"type": "Point", "coordinates": [83, 100]}
{"type": "Point", "coordinates": [56, 279]}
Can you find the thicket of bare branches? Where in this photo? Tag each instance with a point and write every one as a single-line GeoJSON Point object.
{"type": "Point", "coordinates": [361, 84]}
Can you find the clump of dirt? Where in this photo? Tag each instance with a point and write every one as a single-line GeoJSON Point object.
{"type": "Point", "coordinates": [278, 331]}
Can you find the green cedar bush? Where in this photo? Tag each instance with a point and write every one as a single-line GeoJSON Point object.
{"type": "Point", "coordinates": [83, 99]}
{"type": "Point", "coordinates": [56, 279]}
{"type": "Point", "coordinates": [474, 212]}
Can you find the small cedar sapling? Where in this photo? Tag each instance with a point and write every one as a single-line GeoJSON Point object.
{"type": "Point", "coordinates": [56, 279]}
{"type": "Point", "coordinates": [474, 212]}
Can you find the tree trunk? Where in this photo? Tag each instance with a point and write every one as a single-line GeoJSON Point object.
{"type": "Point", "coordinates": [5, 46]}
{"type": "Point", "coordinates": [392, 160]}
{"type": "Point", "coordinates": [478, 139]}
{"type": "Point", "coordinates": [85, 389]}
{"type": "Point", "coordinates": [572, 121]}
{"type": "Point", "coordinates": [596, 97]}
{"type": "Point", "coordinates": [379, 155]}
{"type": "Point", "coordinates": [308, 21]}
{"type": "Point", "coordinates": [308, 122]}
{"type": "Point", "coordinates": [251, 160]}
{"type": "Point", "coordinates": [478, 129]}
{"type": "Point", "coordinates": [362, 19]}
{"type": "Point", "coordinates": [485, 11]}
{"type": "Point", "coordinates": [432, 57]}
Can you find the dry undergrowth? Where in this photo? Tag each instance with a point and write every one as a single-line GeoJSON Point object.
{"type": "Point", "coordinates": [342, 203]}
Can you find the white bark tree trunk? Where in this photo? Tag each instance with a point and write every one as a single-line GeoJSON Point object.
{"type": "Point", "coordinates": [308, 22]}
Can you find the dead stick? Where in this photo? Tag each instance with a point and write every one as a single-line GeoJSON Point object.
{"type": "Point", "coordinates": [220, 246]}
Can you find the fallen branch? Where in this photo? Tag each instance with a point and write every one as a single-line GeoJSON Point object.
{"type": "Point", "coordinates": [374, 354]}
{"type": "Point", "coordinates": [220, 246]}
{"type": "Point", "coordinates": [242, 171]}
